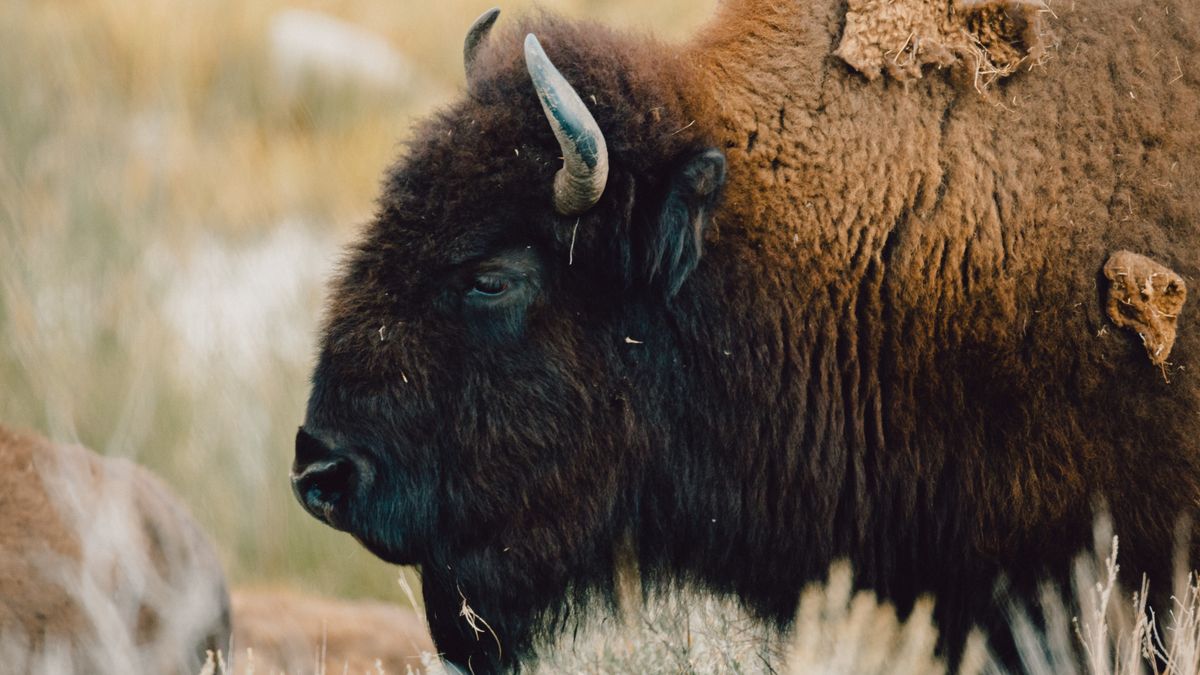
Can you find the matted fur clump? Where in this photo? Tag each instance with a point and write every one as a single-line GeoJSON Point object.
{"type": "Point", "coordinates": [987, 38]}
{"type": "Point", "coordinates": [1145, 297]}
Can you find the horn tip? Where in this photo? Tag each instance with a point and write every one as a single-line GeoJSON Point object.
{"type": "Point", "coordinates": [476, 35]}
{"type": "Point", "coordinates": [536, 61]}
{"type": "Point", "coordinates": [532, 44]}
{"type": "Point", "coordinates": [488, 18]}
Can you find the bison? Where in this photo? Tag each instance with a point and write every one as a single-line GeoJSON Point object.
{"type": "Point", "coordinates": [102, 570]}
{"type": "Point", "coordinates": [888, 281]}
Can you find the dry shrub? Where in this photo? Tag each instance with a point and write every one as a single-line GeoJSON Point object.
{"type": "Point", "coordinates": [842, 632]}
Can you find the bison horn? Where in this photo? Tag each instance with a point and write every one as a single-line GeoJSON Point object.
{"type": "Point", "coordinates": [476, 35]}
{"type": "Point", "coordinates": [581, 180]}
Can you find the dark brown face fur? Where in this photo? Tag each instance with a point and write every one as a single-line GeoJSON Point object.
{"type": "Point", "coordinates": [474, 368]}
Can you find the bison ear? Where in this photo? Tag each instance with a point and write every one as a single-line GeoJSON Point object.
{"type": "Point", "coordinates": [674, 242]}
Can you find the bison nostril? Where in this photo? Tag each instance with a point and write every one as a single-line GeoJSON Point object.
{"type": "Point", "coordinates": [321, 486]}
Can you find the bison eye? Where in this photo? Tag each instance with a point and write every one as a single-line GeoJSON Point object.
{"type": "Point", "coordinates": [494, 293]}
{"type": "Point", "coordinates": [489, 285]}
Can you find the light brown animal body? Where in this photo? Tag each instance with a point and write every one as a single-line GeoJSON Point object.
{"type": "Point", "coordinates": [102, 570]}
{"type": "Point", "coordinates": [285, 631]}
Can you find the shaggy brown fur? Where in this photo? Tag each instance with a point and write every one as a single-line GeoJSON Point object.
{"type": "Point", "coordinates": [888, 342]}
{"type": "Point", "coordinates": [102, 570]}
{"type": "Point", "coordinates": [282, 631]}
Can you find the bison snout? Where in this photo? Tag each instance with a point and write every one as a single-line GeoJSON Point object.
{"type": "Point", "coordinates": [326, 481]}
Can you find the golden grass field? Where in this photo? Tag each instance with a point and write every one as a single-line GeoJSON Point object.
{"type": "Point", "coordinates": [174, 190]}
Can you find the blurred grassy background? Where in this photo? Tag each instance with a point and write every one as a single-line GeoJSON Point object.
{"type": "Point", "coordinates": [172, 199]}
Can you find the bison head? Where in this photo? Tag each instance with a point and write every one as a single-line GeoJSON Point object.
{"type": "Point", "coordinates": [490, 384]}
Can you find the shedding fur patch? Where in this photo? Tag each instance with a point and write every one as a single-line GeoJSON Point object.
{"type": "Point", "coordinates": [1145, 297]}
{"type": "Point", "coordinates": [989, 39]}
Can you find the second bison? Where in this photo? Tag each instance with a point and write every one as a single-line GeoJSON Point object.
{"type": "Point", "coordinates": [102, 570]}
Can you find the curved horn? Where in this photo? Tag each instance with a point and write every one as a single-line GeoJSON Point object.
{"type": "Point", "coordinates": [476, 35]}
{"type": "Point", "coordinates": [581, 180]}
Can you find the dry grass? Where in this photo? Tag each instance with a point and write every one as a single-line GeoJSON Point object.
{"type": "Point", "coordinates": [842, 632]}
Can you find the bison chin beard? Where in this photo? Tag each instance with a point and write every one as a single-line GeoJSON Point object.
{"type": "Point", "coordinates": [385, 551]}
